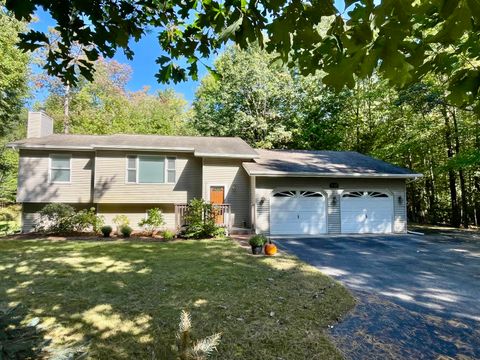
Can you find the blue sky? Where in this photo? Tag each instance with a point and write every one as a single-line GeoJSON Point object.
{"type": "Point", "coordinates": [143, 63]}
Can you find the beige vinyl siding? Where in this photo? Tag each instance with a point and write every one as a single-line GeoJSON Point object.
{"type": "Point", "coordinates": [34, 185]}
{"type": "Point", "coordinates": [111, 186]}
{"type": "Point", "coordinates": [230, 174]}
{"type": "Point", "coordinates": [400, 211]}
{"type": "Point", "coordinates": [135, 213]}
{"type": "Point", "coordinates": [39, 125]}
{"type": "Point", "coordinates": [31, 216]}
{"type": "Point", "coordinates": [266, 185]}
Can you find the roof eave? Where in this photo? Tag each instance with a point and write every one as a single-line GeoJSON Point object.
{"type": "Point", "coordinates": [330, 175]}
{"type": "Point", "coordinates": [227, 156]}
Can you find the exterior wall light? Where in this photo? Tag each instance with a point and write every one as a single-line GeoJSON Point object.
{"type": "Point", "coordinates": [334, 200]}
{"type": "Point", "coordinates": [400, 200]}
{"type": "Point", "coordinates": [262, 200]}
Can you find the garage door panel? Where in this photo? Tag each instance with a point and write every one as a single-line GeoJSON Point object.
{"type": "Point", "coordinates": [297, 214]}
{"type": "Point", "coordinates": [366, 212]}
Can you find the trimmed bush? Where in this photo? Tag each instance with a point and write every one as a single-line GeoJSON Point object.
{"type": "Point", "coordinates": [106, 230]}
{"type": "Point", "coordinates": [126, 231]}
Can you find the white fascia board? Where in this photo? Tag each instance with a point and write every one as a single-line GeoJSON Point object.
{"type": "Point", "coordinates": [142, 148]}
{"type": "Point", "coordinates": [223, 155]}
{"type": "Point", "coordinates": [331, 175]}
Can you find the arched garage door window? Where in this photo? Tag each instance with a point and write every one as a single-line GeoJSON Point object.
{"type": "Point", "coordinates": [366, 212]}
{"type": "Point", "coordinates": [297, 212]}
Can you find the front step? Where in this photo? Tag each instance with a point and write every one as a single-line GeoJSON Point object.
{"type": "Point", "coordinates": [240, 231]}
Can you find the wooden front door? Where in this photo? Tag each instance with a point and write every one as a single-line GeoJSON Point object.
{"type": "Point", "coordinates": [217, 196]}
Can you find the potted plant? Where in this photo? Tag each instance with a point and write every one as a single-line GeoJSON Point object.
{"type": "Point", "coordinates": [257, 242]}
{"type": "Point", "coordinates": [106, 230]}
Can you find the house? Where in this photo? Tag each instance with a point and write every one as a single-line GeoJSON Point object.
{"type": "Point", "coordinates": [277, 192]}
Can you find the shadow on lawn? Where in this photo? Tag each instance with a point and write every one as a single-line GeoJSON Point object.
{"type": "Point", "coordinates": [124, 298]}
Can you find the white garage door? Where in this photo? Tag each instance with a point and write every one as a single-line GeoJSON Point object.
{"type": "Point", "coordinates": [297, 212]}
{"type": "Point", "coordinates": [366, 212]}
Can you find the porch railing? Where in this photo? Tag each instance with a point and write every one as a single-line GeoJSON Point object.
{"type": "Point", "coordinates": [223, 215]}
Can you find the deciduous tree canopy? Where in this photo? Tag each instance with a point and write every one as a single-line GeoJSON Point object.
{"type": "Point", "coordinates": [404, 40]}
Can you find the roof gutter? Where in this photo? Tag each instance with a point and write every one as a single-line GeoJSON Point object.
{"type": "Point", "coordinates": [331, 175]}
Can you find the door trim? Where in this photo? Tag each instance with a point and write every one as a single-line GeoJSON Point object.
{"type": "Point", "coordinates": [210, 185]}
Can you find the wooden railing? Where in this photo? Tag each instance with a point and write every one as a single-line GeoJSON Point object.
{"type": "Point", "coordinates": [223, 215]}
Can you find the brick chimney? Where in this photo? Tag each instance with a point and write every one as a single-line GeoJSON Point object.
{"type": "Point", "coordinates": [39, 124]}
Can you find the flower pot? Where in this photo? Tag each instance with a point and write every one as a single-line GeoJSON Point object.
{"type": "Point", "coordinates": [257, 250]}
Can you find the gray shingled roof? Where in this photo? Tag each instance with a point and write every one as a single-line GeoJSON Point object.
{"type": "Point", "coordinates": [322, 163]}
{"type": "Point", "coordinates": [199, 145]}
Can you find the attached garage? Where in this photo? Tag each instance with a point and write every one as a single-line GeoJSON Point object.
{"type": "Point", "coordinates": [366, 212]}
{"type": "Point", "coordinates": [296, 192]}
{"type": "Point", "coordinates": [298, 212]}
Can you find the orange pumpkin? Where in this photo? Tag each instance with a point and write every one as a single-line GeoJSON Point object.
{"type": "Point", "coordinates": [270, 248]}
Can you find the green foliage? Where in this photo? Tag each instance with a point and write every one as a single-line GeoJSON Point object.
{"type": "Point", "coordinates": [87, 220]}
{"type": "Point", "coordinates": [121, 220]}
{"type": "Point", "coordinates": [153, 221]}
{"type": "Point", "coordinates": [63, 219]}
{"type": "Point", "coordinates": [200, 220]}
{"type": "Point", "coordinates": [56, 218]}
{"type": "Point", "coordinates": [188, 349]}
{"type": "Point", "coordinates": [13, 74]}
{"type": "Point", "coordinates": [17, 340]}
{"type": "Point", "coordinates": [105, 106]}
{"type": "Point", "coordinates": [254, 96]}
{"type": "Point", "coordinates": [257, 240]}
{"type": "Point", "coordinates": [168, 235]}
{"type": "Point", "coordinates": [106, 230]}
{"type": "Point", "coordinates": [126, 230]}
{"type": "Point", "coordinates": [403, 40]}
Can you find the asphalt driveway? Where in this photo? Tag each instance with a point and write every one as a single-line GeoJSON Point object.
{"type": "Point", "coordinates": [418, 296]}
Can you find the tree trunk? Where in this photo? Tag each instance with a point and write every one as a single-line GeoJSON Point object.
{"type": "Point", "coordinates": [455, 215]}
{"type": "Point", "coordinates": [66, 110]}
{"type": "Point", "coordinates": [461, 175]}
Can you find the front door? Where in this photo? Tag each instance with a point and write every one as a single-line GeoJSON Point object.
{"type": "Point", "coordinates": [217, 196]}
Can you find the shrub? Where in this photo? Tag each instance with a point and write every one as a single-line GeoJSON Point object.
{"type": "Point", "coordinates": [63, 219]}
{"type": "Point", "coordinates": [257, 240]}
{"type": "Point", "coordinates": [200, 220]}
{"type": "Point", "coordinates": [87, 220]}
{"type": "Point", "coordinates": [56, 218]}
{"type": "Point", "coordinates": [126, 230]}
{"type": "Point", "coordinates": [168, 235]}
{"type": "Point", "coordinates": [153, 221]}
{"type": "Point", "coordinates": [121, 220]}
{"type": "Point", "coordinates": [106, 230]}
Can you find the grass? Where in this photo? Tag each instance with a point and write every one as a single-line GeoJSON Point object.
{"type": "Point", "coordinates": [122, 299]}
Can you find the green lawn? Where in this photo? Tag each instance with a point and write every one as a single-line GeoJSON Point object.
{"type": "Point", "coordinates": [123, 298]}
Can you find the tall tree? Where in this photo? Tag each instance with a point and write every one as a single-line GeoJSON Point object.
{"type": "Point", "coordinates": [404, 40]}
{"type": "Point", "coordinates": [105, 106]}
{"type": "Point", "coordinates": [13, 93]}
{"type": "Point", "coordinates": [251, 96]}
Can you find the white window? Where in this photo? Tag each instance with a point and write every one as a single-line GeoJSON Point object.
{"type": "Point", "coordinates": [171, 170]}
{"type": "Point", "coordinates": [150, 169]}
{"type": "Point", "coordinates": [60, 168]}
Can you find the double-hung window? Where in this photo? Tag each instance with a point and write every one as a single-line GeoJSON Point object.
{"type": "Point", "coordinates": [60, 168]}
{"type": "Point", "coordinates": [150, 169]}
